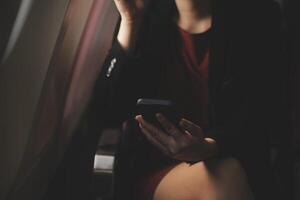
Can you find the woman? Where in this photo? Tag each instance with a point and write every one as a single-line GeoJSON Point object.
{"type": "Point", "coordinates": [212, 58]}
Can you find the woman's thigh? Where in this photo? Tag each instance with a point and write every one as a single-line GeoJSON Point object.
{"type": "Point", "coordinates": [211, 180]}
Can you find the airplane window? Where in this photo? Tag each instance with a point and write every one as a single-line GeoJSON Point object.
{"type": "Point", "coordinates": [18, 25]}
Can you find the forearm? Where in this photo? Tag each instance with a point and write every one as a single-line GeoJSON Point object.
{"type": "Point", "coordinates": [115, 91]}
{"type": "Point", "coordinates": [127, 35]}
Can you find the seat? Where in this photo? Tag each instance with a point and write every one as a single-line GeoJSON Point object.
{"type": "Point", "coordinates": [104, 163]}
{"type": "Point", "coordinates": [293, 46]}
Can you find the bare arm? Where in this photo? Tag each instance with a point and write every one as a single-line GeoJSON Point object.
{"type": "Point", "coordinates": [131, 12]}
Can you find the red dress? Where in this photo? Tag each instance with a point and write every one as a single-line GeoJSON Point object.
{"type": "Point", "coordinates": [184, 81]}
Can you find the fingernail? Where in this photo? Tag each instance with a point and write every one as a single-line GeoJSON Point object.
{"type": "Point", "coordinates": [183, 123]}
{"type": "Point", "coordinates": [138, 117]}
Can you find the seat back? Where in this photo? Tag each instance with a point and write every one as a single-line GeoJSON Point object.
{"type": "Point", "coordinates": [293, 39]}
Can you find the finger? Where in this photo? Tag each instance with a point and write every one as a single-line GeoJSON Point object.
{"type": "Point", "coordinates": [155, 132]}
{"type": "Point", "coordinates": [164, 138]}
{"type": "Point", "coordinates": [154, 141]}
{"type": "Point", "coordinates": [168, 126]}
{"type": "Point", "coordinates": [188, 135]}
{"type": "Point", "coordinates": [138, 118]}
{"type": "Point", "coordinates": [192, 128]}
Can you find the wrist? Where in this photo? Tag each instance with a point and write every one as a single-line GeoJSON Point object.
{"type": "Point", "coordinates": [128, 33]}
{"type": "Point", "coordinates": [131, 22]}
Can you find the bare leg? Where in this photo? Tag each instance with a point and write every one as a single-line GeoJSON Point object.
{"type": "Point", "coordinates": [211, 180]}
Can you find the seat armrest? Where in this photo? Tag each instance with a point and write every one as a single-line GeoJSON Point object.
{"type": "Point", "coordinates": [104, 158]}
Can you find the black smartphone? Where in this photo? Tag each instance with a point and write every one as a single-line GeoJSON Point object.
{"type": "Point", "coordinates": [148, 108]}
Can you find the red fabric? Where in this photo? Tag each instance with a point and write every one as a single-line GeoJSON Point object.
{"type": "Point", "coordinates": [185, 76]}
{"type": "Point", "coordinates": [196, 57]}
{"type": "Point", "coordinates": [185, 81]}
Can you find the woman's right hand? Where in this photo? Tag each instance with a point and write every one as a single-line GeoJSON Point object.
{"type": "Point", "coordinates": [131, 10]}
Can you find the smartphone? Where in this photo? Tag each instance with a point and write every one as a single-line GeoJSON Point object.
{"type": "Point", "coordinates": [148, 108]}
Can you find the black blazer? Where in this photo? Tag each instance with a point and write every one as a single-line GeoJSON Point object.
{"type": "Point", "coordinates": [246, 81]}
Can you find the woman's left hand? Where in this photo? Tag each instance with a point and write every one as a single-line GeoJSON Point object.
{"type": "Point", "coordinates": [187, 144]}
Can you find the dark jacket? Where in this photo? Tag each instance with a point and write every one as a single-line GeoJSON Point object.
{"type": "Point", "coordinates": [246, 81]}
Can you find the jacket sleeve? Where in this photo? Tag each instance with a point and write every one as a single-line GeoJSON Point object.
{"type": "Point", "coordinates": [261, 117]}
{"type": "Point", "coordinates": [116, 89]}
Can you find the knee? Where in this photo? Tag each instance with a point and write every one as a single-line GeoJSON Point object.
{"type": "Point", "coordinates": [186, 182]}
{"type": "Point", "coordinates": [219, 179]}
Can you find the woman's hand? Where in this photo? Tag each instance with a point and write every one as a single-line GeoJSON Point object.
{"type": "Point", "coordinates": [187, 144]}
{"type": "Point", "coordinates": [131, 12]}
